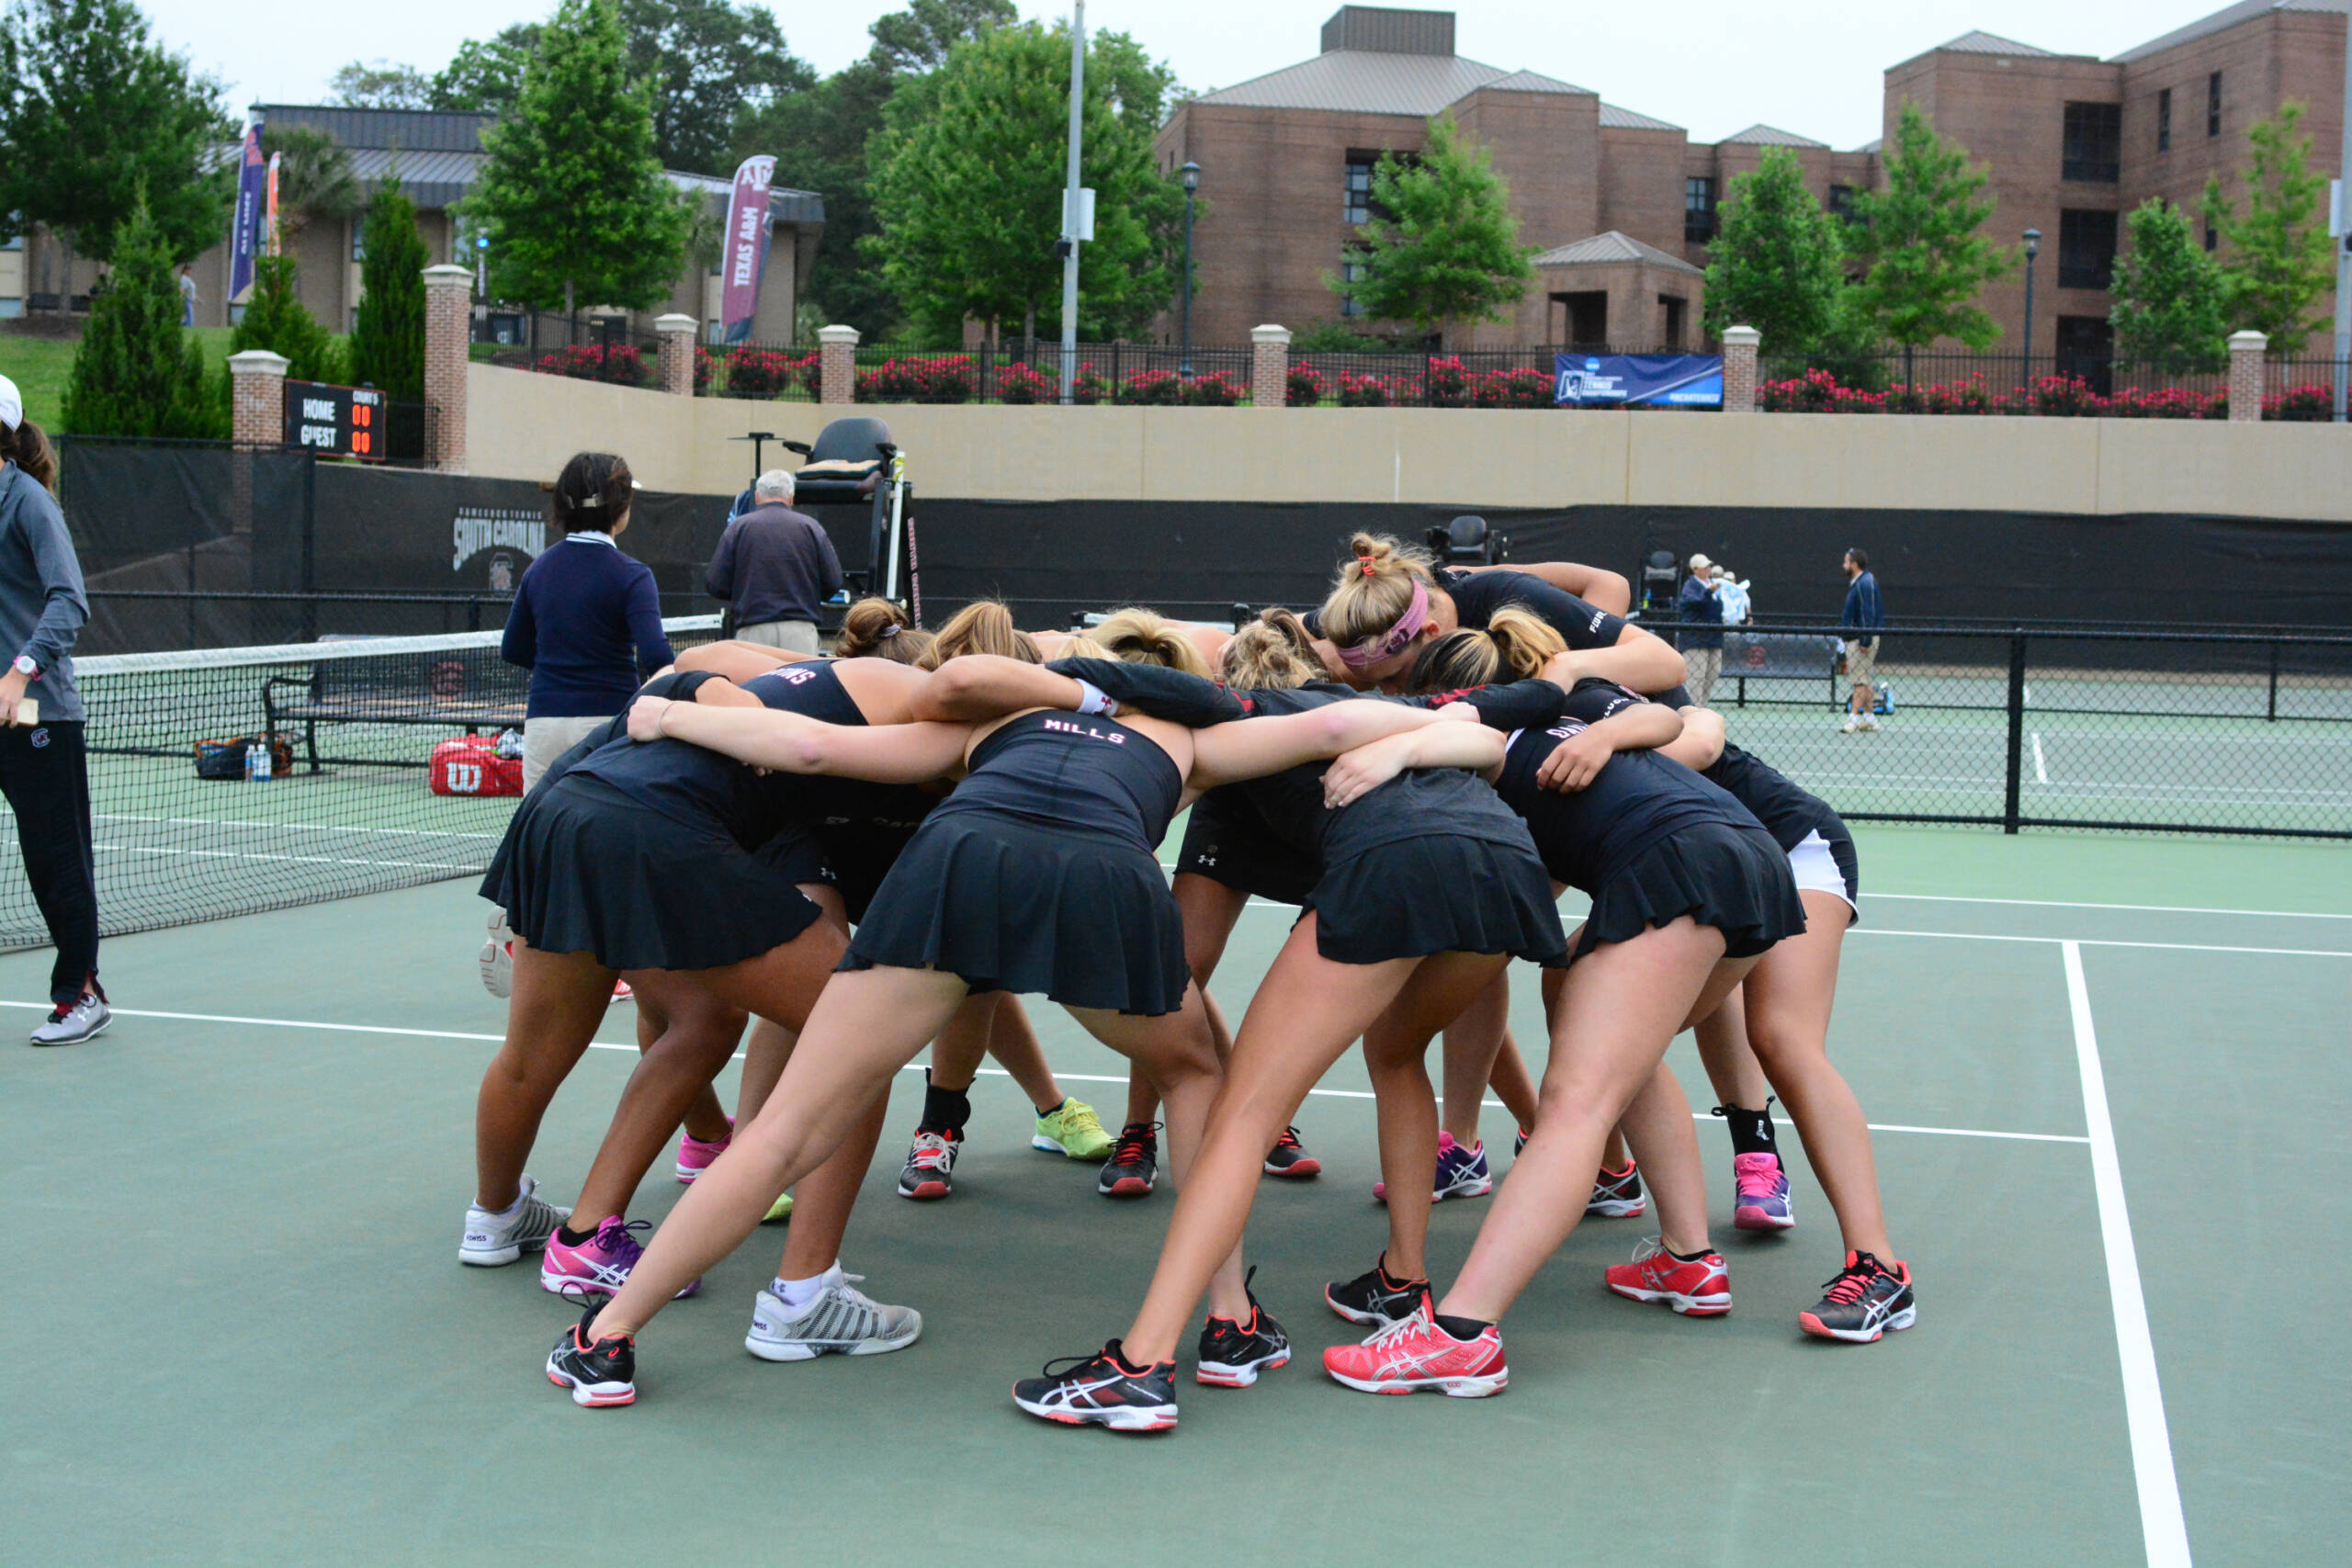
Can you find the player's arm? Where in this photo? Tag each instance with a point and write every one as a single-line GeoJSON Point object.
{"type": "Point", "coordinates": [1578, 761]}
{"type": "Point", "coordinates": [738, 661]}
{"type": "Point", "coordinates": [1602, 589]}
{"type": "Point", "coordinates": [1253, 747]}
{"type": "Point", "coordinates": [1366, 768]}
{"type": "Point", "coordinates": [794, 743]}
{"type": "Point", "coordinates": [1701, 742]}
{"type": "Point", "coordinates": [979, 686]}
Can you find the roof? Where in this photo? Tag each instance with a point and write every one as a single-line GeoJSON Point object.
{"type": "Point", "coordinates": [2227, 18]}
{"type": "Point", "coordinates": [1990, 43]}
{"type": "Point", "coordinates": [1362, 82]}
{"type": "Point", "coordinates": [412, 131]}
{"type": "Point", "coordinates": [1772, 136]}
{"type": "Point", "coordinates": [1613, 117]}
{"type": "Point", "coordinates": [1534, 82]}
{"type": "Point", "coordinates": [1873, 145]}
{"type": "Point", "coordinates": [1614, 246]}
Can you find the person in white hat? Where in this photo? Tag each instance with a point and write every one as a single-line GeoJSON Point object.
{"type": "Point", "coordinates": [1702, 649]}
{"type": "Point", "coordinates": [43, 769]}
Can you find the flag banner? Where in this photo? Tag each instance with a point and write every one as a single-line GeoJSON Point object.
{"type": "Point", "coordinates": [745, 256]}
{"type": "Point", "coordinates": [269, 217]}
{"type": "Point", "coordinates": [245, 238]}
{"type": "Point", "coordinates": [1683, 380]}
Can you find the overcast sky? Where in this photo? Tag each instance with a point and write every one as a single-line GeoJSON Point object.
{"type": "Point", "coordinates": [1714, 66]}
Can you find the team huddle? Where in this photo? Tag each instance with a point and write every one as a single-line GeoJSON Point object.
{"type": "Point", "coordinates": [866, 854]}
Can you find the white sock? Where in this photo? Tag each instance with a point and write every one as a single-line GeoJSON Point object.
{"type": "Point", "coordinates": [797, 1294]}
{"type": "Point", "coordinates": [508, 1212]}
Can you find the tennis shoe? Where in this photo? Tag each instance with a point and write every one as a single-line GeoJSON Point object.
{"type": "Point", "coordinates": [1102, 1389]}
{"type": "Point", "coordinates": [1415, 1352]}
{"type": "Point", "coordinates": [600, 1265]}
{"type": "Point", "coordinates": [695, 1155]}
{"type": "Point", "coordinates": [841, 1321]}
{"type": "Point", "coordinates": [1233, 1353]}
{"type": "Point", "coordinates": [1617, 1195]}
{"type": "Point", "coordinates": [495, 1237]}
{"type": "Point", "coordinates": [1133, 1166]}
{"type": "Point", "coordinates": [1461, 1173]}
{"type": "Point", "coordinates": [599, 1372]}
{"type": "Point", "coordinates": [1073, 1130]}
{"type": "Point", "coordinates": [1699, 1287]}
{"type": "Point", "coordinates": [929, 1171]}
{"type": "Point", "coordinates": [70, 1024]}
{"type": "Point", "coordinates": [1760, 1193]}
{"type": "Point", "coordinates": [1289, 1158]}
{"type": "Point", "coordinates": [1865, 1301]}
{"type": "Point", "coordinates": [621, 992]}
{"type": "Point", "coordinates": [779, 1210]}
{"type": "Point", "coordinates": [1867, 725]}
{"type": "Point", "coordinates": [1375, 1298]}
{"type": "Point", "coordinates": [497, 959]}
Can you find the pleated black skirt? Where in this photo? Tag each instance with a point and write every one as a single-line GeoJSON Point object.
{"type": "Point", "coordinates": [1734, 879]}
{"type": "Point", "coordinates": [1438, 893]}
{"type": "Point", "coordinates": [1083, 918]}
{"type": "Point", "coordinates": [1226, 841]}
{"type": "Point", "coordinates": [584, 869]}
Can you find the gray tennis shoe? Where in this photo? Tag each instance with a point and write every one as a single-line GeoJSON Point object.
{"type": "Point", "coordinates": [841, 1321]}
{"type": "Point", "coordinates": [84, 1019]}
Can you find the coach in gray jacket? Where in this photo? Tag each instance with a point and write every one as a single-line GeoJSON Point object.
{"type": "Point", "coordinates": [774, 566]}
{"type": "Point", "coordinates": [43, 771]}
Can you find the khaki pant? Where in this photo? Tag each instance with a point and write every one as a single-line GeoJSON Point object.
{"type": "Point", "coordinates": [792, 636]}
{"type": "Point", "coordinates": [545, 740]}
{"type": "Point", "coordinates": [1701, 667]}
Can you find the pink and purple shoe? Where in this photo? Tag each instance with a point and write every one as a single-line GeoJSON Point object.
{"type": "Point", "coordinates": [596, 1265]}
{"type": "Point", "coordinates": [695, 1155]}
{"type": "Point", "coordinates": [1461, 1173]}
{"type": "Point", "coordinates": [1762, 1194]}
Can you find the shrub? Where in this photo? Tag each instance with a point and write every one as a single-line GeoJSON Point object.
{"type": "Point", "coordinates": [1512, 389]}
{"type": "Point", "coordinates": [1153, 389]}
{"type": "Point", "coordinates": [1363, 392]}
{"type": "Point", "coordinates": [1446, 383]}
{"type": "Point", "coordinates": [947, 378]}
{"type": "Point", "coordinates": [763, 372]}
{"type": "Point", "coordinates": [1306, 386]}
{"type": "Point", "coordinates": [1217, 390]}
{"type": "Point", "coordinates": [2059, 397]}
{"type": "Point", "coordinates": [2301, 403]}
{"type": "Point", "coordinates": [705, 362]}
{"type": "Point", "coordinates": [623, 366]}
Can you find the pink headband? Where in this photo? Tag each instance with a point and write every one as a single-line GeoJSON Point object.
{"type": "Point", "coordinates": [1396, 638]}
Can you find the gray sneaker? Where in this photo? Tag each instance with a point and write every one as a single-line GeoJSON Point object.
{"type": "Point", "coordinates": [495, 1239]}
{"type": "Point", "coordinates": [85, 1020]}
{"type": "Point", "coordinates": [841, 1322]}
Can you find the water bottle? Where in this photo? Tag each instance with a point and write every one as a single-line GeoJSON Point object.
{"type": "Point", "coordinates": [258, 762]}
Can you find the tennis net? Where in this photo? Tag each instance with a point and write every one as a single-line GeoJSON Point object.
{"type": "Point", "coordinates": [349, 807]}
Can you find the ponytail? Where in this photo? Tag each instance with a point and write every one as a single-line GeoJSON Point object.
{"type": "Point", "coordinates": [1524, 641]}
{"type": "Point", "coordinates": [1144, 637]}
{"type": "Point", "coordinates": [876, 628]}
{"type": "Point", "coordinates": [27, 446]}
{"type": "Point", "coordinates": [984, 626]}
{"type": "Point", "coordinates": [1375, 588]}
{"type": "Point", "coordinates": [1273, 653]}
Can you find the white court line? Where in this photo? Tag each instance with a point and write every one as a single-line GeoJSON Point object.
{"type": "Point", "coordinates": [2147, 909]}
{"type": "Point", "coordinates": [2040, 773]}
{"type": "Point", "coordinates": [2162, 1530]}
{"type": "Point", "coordinates": [914, 1066]}
{"type": "Point", "coordinates": [2092, 942]}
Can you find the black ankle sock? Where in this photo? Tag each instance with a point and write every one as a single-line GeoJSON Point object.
{"type": "Point", "coordinates": [1045, 1110]}
{"type": "Point", "coordinates": [1463, 1327]}
{"type": "Point", "coordinates": [570, 1238]}
{"type": "Point", "coordinates": [1688, 1256]}
{"type": "Point", "coordinates": [1751, 1130]}
{"type": "Point", "coordinates": [1119, 1358]}
{"type": "Point", "coordinates": [945, 1109]}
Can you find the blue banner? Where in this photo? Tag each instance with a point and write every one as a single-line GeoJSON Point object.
{"type": "Point", "coordinates": [244, 234]}
{"type": "Point", "coordinates": [1682, 380]}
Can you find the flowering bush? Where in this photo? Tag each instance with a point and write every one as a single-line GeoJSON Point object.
{"type": "Point", "coordinates": [1017, 383]}
{"type": "Point", "coordinates": [1512, 389]}
{"type": "Point", "coordinates": [2054, 396]}
{"type": "Point", "coordinates": [947, 378]}
{"type": "Point", "coordinates": [1369, 391]}
{"type": "Point", "coordinates": [623, 366]}
{"type": "Point", "coordinates": [2301, 402]}
{"type": "Point", "coordinates": [1161, 389]}
{"type": "Point", "coordinates": [1217, 390]}
{"type": "Point", "coordinates": [705, 362]}
{"type": "Point", "coordinates": [1447, 384]}
{"type": "Point", "coordinates": [2169, 402]}
{"type": "Point", "coordinates": [766, 372]}
{"type": "Point", "coordinates": [1305, 385]}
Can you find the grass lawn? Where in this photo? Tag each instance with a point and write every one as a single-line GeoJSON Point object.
{"type": "Point", "coordinates": [40, 366]}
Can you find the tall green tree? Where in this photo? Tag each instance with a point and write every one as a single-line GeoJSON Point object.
{"type": "Point", "coordinates": [98, 119]}
{"type": "Point", "coordinates": [1924, 262]}
{"type": "Point", "coordinates": [316, 179]}
{"type": "Point", "coordinates": [1778, 264]}
{"type": "Point", "coordinates": [2170, 308]}
{"type": "Point", "coordinates": [711, 63]}
{"type": "Point", "coordinates": [2276, 257]}
{"type": "Point", "coordinates": [571, 194]}
{"type": "Point", "coordinates": [1443, 245]}
{"type": "Point", "coordinates": [136, 372]}
{"type": "Point", "coordinates": [275, 319]}
{"type": "Point", "coordinates": [485, 75]}
{"type": "Point", "coordinates": [388, 338]}
{"type": "Point", "coordinates": [379, 85]}
{"type": "Point", "coordinates": [968, 185]}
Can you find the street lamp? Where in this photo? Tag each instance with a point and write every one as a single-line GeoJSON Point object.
{"type": "Point", "coordinates": [1192, 173]}
{"type": "Point", "coordinates": [2033, 249]}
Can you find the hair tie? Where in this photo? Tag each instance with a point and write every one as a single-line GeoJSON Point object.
{"type": "Point", "coordinates": [1366, 564]}
{"type": "Point", "coordinates": [588, 502]}
{"type": "Point", "coordinates": [886, 633]}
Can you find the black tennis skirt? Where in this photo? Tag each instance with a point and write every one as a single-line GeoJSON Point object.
{"type": "Point", "coordinates": [1734, 879]}
{"type": "Point", "coordinates": [1437, 892]}
{"type": "Point", "coordinates": [1234, 848]}
{"type": "Point", "coordinates": [1083, 918]}
{"type": "Point", "coordinates": [585, 869]}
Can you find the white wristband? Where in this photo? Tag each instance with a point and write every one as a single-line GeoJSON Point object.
{"type": "Point", "coordinates": [1092, 698]}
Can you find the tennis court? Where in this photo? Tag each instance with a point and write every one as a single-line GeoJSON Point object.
{"type": "Point", "coordinates": [2107, 1074]}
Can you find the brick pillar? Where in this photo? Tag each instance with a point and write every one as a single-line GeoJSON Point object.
{"type": "Point", "coordinates": [1269, 367]}
{"type": "Point", "coordinates": [257, 398]}
{"type": "Point", "coordinates": [1739, 369]}
{"type": "Point", "coordinates": [677, 334]}
{"type": "Point", "coordinates": [837, 367]}
{"type": "Point", "coordinates": [2246, 376]}
{"type": "Point", "coordinates": [449, 328]}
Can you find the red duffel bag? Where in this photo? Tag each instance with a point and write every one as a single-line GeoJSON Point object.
{"type": "Point", "coordinates": [472, 765]}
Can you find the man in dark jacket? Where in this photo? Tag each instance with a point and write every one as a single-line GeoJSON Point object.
{"type": "Point", "coordinates": [1702, 649]}
{"type": "Point", "coordinates": [774, 566]}
{"type": "Point", "coordinates": [43, 771]}
{"type": "Point", "coordinates": [1864, 614]}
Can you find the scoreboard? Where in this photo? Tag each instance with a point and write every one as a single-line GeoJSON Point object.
{"type": "Point", "coordinates": [336, 422]}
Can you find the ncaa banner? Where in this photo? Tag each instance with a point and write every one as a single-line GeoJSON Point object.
{"type": "Point", "coordinates": [746, 254]}
{"type": "Point", "coordinates": [244, 237]}
{"type": "Point", "coordinates": [1683, 380]}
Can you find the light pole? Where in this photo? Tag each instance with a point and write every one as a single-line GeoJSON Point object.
{"type": "Point", "coordinates": [2033, 249]}
{"type": "Point", "coordinates": [1192, 173]}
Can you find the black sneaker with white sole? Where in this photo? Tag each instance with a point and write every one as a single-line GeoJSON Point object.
{"type": "Point", "coordinates": [1289, 1158]}
{"type": "Point", "coordinates": [1234, 1353]}
{"type": "Point", "coordinates": [598, 1374]}
{"type": "Point", "coordinates": [929, 1171]}
{"type": "Point", "coordinates": [1866, 1300]}
{"type": "Point", "coordinates": [1134, 1165]}
{"type": "Point", "coordinates": [1375, 1299]}
{"type": "Point", "coordinates": [1102, 1389]}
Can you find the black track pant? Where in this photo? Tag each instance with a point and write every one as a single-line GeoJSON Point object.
{"type": "Point", "coordinates": [46, 777]}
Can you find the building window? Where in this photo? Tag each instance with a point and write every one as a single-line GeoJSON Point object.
{"type": "Point", "coordinates": [2086, 348]}
{"type": "Point", "coordinates": [2214, 105]}
{"type": "Point", "coordinates": [2085, 249]}
{"type": "Point", "coordinates": [2163, 121]}
{"type": "Point", "coordinates": [1841, 203]}
{"type": "Point", "coordinates": [2212, 235]}
{"type": "Point", "coordinates": [2094, 143]}
{"type": "Point", "coordinates": [1698, 208]}
{"type": "Point", "coordinates": [1357, 203]}
{"type": "Point", "coordinates": [1351, 272]}
{"type": "Point", "coordinates": [359, 239]}
{"type": "Point", "coordinates": [1676, 310]}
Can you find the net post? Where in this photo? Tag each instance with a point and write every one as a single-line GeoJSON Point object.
{"type": "Point", "coordinates": [2273, 714]}
{"type": "Point", "coordinates": [2016, 729]}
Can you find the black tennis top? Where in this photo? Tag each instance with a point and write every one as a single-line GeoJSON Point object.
{"type": "Point", "coordinates": [1072, 772]}
{"type": "Point", "coordinates": [1476, 596]}
{"type": "Point", "coordinates": [1637, 801]}
{"type": "Point", "coordinates": [1787, 811]}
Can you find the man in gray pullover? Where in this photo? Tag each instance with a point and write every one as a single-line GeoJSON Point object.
{"type": "Point", "coordinates": [43, 769]}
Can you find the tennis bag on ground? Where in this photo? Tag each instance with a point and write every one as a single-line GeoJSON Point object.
{"type": "Point", "coordinates": [226, 758]}
{"type": "Point", "coordinates": [472, 765]}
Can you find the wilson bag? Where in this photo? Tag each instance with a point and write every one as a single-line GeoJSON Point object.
{"type": "Point", "coordinates": [472, 765]}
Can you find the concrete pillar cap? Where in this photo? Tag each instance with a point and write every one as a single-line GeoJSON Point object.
{"type": "Point", "coordinates": [1269, 333]}
{"type": "Point", "coordinates": [2248, 341]}
{"type": "Point", "coordinates": [676, 322]}
{"type": "Point", "coordinates": [1742, 337]}
{"type": "Point", "coordinates": [259, 361]}
{"type": "Point", "coordinates": [448, 276]}
{"type": "Point", "coordinates": [838, 334]}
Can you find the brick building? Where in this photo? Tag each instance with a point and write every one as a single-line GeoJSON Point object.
{"type": "Point", "coordinates": [1621, 205]}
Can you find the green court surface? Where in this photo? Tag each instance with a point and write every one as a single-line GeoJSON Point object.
{"type": "Point", "coordinates": [2109, 1076]}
